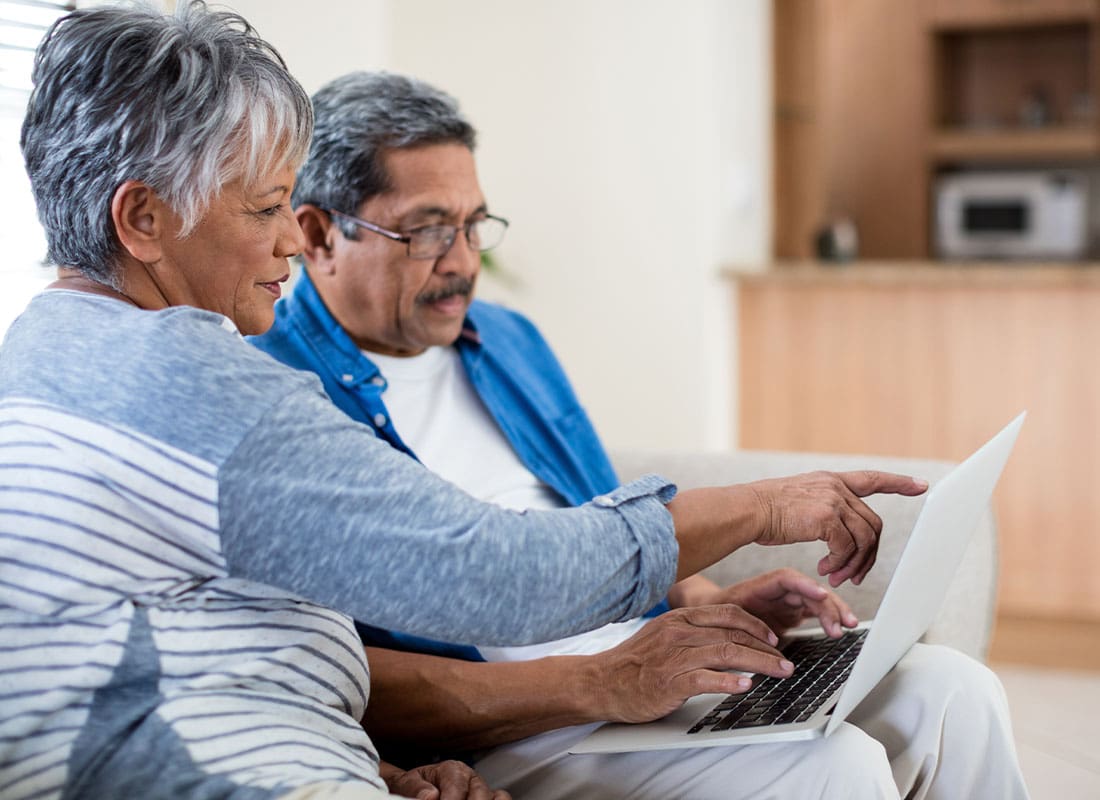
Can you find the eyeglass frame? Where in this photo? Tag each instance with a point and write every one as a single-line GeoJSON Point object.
{"type": "Point", "coordinates": [406, 238]}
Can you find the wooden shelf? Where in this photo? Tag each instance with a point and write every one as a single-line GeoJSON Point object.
{"type": "Point", "coordinates": [946, 15]}
{"type": "Point", "coordinates": [1016, 145]}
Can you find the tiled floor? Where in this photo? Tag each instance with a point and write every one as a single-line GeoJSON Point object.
{"type": "Point", "coordinates": [1054, 715]}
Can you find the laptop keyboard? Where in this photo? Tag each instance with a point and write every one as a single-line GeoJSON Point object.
{"type": "Point", "coordinates": [821, 665]}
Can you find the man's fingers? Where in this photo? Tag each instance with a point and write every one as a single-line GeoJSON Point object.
{"type": "Point", "coordinates": [413, 784]}
{"type": "Point", "coordinates": [834, 615]}
{"type": "Point", "coordinates": [457, 781]}
{"type": "Point", "coordinates": [729, 656]}
{"type": "Point", "coordinates": [709, 681]}
{"type": "Point", "coordinates": [793, 582]}
{"type": "Point", "coordinates": [869, 481]}
{"type": "Point", "coordinates": [802, 591]}
{"type": "Point", "coordinates": [794, 600]}
{"type": "Point", "coordinates": [477, 789]}
{"type": "Point", "coordinates": [731, 617]}
{"type": "Point", "coordinates": [746, 659]}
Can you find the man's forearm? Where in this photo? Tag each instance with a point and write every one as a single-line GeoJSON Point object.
{"type": "Point", "coordinates": [455, 706]}
{"type": "Point", "coordinates": [698, 590]}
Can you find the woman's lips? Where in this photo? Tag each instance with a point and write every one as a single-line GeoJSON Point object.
{"type": "Point", "coordinates": [274, 288]}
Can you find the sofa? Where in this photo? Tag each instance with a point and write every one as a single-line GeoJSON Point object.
{"type": "Point", "coordinates": [965, 620]}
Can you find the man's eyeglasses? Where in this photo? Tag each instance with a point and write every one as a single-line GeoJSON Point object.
{"type": "Point", "coordinates": [434, 241]}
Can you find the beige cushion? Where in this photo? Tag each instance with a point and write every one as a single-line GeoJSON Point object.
{"type": "Point", "coordinates": [965, 620]}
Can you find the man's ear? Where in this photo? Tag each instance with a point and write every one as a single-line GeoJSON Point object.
{"type": "Point", "coordinates": [141, 220]}
{"type": "Point", "coordinates": [319, 233]}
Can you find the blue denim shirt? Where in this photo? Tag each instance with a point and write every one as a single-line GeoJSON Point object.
{"type": "Point", "coordinates": [512, 369]}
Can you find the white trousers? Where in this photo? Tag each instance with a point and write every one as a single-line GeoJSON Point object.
{"type": "Point", "coordinates": [936, 727]}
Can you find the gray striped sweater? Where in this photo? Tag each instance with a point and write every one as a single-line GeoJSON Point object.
{"type": "Point", "coordinates": [187, 529]}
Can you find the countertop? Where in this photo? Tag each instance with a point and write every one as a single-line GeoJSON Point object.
{"type": "Point", "coordinates": [922, 273]}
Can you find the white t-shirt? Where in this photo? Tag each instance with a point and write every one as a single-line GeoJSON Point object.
{"type": "Point", "coordinates": [440, 416]}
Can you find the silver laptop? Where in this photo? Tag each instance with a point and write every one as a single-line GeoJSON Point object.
{"type": "Point", "coordinates": [832, 676]}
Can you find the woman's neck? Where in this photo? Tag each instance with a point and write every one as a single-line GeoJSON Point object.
{"type": "Point", "coordinates": [74, 280]}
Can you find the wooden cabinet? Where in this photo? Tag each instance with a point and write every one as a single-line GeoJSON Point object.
{"type": "Point", "coordinates": [1016, 92]}
{"type": "Point", "coordinates": [929, 361]}
{"type": "Point", "coordinates": [875, 98]}
{"type": "Point", "coordinates": [851, 123]}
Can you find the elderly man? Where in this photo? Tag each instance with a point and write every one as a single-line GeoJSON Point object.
{"type": "Point", "coordinates": [394, 218]}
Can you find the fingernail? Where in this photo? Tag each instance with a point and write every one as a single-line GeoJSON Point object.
{"type": "Point", "coordinates": [772, 638]}
{"type": "Point", "coordinates": [786, 665]}
{"type": "Point", "coordinates": [921, 482]}
{"type": "Point", "coordinates": [744, 683]}
{"type": "Point", "coordinates": [851, 621]}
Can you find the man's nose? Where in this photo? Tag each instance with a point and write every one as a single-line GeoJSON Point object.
{"type": "Point", "coordinates": [460, 258]}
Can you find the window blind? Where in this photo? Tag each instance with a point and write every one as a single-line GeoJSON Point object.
{"type": "Point", "coordinates": [22, 26]}
{"type": "Point", "coordinates": [23, 23]}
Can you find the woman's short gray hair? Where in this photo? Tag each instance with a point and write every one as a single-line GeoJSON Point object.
{"type": "Point", "coordinates": [358, 116]}
{"type": "Point", "coordinates": [185, 103]}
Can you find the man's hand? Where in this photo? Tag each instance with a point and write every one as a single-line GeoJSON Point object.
{"type": "Point", "coordinates": [447, 780]}
{"type": "Point", "coordinates": [827, 506]}
{"type": "Point", "coordinates": [784, 599]}
{"type": "Point", "coordinates": [681, 654]}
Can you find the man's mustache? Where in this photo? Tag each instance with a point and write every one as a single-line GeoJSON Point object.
{"type": "Point", "coordinates": [456, 285]}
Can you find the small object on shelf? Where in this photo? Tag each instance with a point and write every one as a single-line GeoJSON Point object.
{"type": "Point", "coordinates": [838, 241]}
{"type": "Point", "coordinates": [1035, 110]}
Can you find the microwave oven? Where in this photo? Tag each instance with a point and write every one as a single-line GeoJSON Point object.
{"type": "Point", "coordinates": [1034, 214]}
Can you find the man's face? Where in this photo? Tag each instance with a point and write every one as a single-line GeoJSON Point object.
{"type": "Point", "coordinates": [388, 302]}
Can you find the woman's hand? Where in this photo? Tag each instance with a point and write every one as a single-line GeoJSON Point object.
{"type": "Point", "coordinates": [447, 780]}
{"type": "Point", "coordinates": [827, 506]}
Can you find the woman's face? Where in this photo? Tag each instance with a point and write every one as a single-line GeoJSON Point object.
{"type": "Point", "coordinates": [235, 259]}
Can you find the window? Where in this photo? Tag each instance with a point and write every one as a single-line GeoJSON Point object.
{"type": "Point", "coordinates": [22, 274]}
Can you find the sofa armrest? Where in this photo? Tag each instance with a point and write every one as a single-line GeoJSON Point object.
{"type": "Point", "coordinates": [965, 620]}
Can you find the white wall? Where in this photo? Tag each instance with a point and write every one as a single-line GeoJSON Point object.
{"type": "Point", "coordinates": [320, 39]}
{"type": "Point", "coordinates": [628, 142]}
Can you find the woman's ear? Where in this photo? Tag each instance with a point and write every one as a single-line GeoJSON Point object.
{"type": "Point", "coordinates": [141, 221]}
{"type": "Point", "coordinates": [319, 232]}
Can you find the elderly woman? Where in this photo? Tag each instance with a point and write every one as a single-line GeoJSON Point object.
{"type": "Point", "coordinates": [190, 527]}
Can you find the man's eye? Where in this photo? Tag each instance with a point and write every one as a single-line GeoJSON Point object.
{"type": "Point", "coordinates": [272, 211]}
{"type": "Point", "coordinates": [432, 232]}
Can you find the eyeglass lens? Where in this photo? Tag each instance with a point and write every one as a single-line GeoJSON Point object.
{"type": "Point", "coordinates": [435, 240]}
